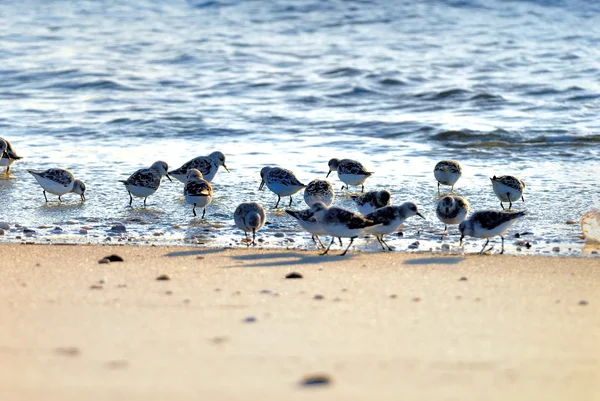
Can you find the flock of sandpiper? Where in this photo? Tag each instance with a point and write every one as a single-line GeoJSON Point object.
{"type": "Point", "coordinates": [377, 215]}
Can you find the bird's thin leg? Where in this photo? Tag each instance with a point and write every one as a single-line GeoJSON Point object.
{"type": "Point", "coordinates": [59, 198]}
{"type": "Point", "coordinates": [203, 212]}
{"type": "Point", "coordinates": [380, 242]}
{"type": "Point", "coordinates": [247, 241]}
{"type": "Point", "coordinates": [254, 236]}
{"type": "Point", "coordinates": [439, 189]}
{"type": "Point", "coordinates": [386, 244]}
{"type": "Point", "coordinates": [340, 239]}
{"type": "Point", "coordinates": [278, 199]}
{"type": "Point", "coordinates": [502, 251]}
{"type": "Point", "coordinates": [452, 189]}
{"type": "Point", "coordinates": [320, 242]}
{"type": "Point", "coordinates": [342, 188]}
{"type": "Point", "coordinates": [445, 231]}
{"type": "Point", "coordinates": [362, 188]}
{"type": "Point", "coordinates": [483, 249]}
{"type": "Point", "coordinates": [522, 198]}
{"type": "Point", "coordinates": [130, 198]}
{"type": "Point", "coordinates": [290, 202]}
{"type": "Point", "coordinates": [501, 205]}
{"type": "Point", "coordinates": [145, 201]}
{"type": "Point", "coordinates": [331, 243]}
{"type": "Point", "coordinates": [7, 169]}
{"type": "Point", "coordinates": [349, 245]}
{"type": "Point", "coordinates": [509, 201]}
{"type": "Point", "coordinates": [45, 197]}
{"type": "Point", "coordinates": [194, 210]}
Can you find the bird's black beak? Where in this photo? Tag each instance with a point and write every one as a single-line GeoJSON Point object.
{"type": "Point", "coordinates": [225, 167]}
{"type": "Point", "coordinates": [328, 174]}
{"type": "Point", "coordinates": [421, 216]}
{"type": "Point", "coordinates": [169, 177]}
{"type": "Point", "coordinates": [262, 184]}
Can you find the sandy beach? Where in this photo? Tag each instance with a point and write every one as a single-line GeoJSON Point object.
{"type": "Point", "coordinates": [228, 325]}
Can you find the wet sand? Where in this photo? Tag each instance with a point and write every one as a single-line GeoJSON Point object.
{"type": "Point", "coordinates": [228, 325]}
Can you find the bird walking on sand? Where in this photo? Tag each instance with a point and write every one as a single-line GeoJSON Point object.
{"type": "Point", "coordinates": [197, 191]}
{"type": "Point", "coordinates": [144, 182]}
{"type": "Point", "coordinates": [59, 181]}
{"type": "Point", "coordinates": [488, 224]}
{"type": "Point", "coordinates": [350, 172]}
{"type": "Point", "coordinates": [250, 216]}
{"type": "Point", "coordinates": [281, 181]}
{"type": "Point", "coordinates": [508, 189]}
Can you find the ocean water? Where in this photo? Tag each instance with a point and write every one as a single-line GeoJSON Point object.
{"type": "Point", "coordinates": [106, 87]}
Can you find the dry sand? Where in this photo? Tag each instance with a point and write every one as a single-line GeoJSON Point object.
{"type": "Point", "coordinates": [389, 326]}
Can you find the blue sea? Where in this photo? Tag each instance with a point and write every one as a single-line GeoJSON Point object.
{"type": "Point", "coordinates": [103, 88]}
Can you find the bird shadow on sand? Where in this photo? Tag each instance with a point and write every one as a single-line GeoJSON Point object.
{"type": "Point", "coordinates": [195, 252]}
{"type": "Point", "coordinates": [277, 259]}
{"type": "Point", "coordinates": [435, 261]}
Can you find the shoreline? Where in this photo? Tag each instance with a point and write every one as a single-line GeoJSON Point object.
{"type": "Point", "coordinates": [228, 325]}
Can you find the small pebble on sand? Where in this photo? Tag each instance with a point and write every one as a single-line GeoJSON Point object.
{"type": "Point", "coordinates": [316, 380]}
{"type": "Point", "coordinates": [163, 277]}
{"type": "Point", "coordinates": [294, 275]}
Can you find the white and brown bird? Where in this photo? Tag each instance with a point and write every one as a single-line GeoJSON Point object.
{"type": "Point", "coordinates": [250, 217]}
{"type": "Point", "coordinates": [350, 172]}
{"type": "Point", "coordinates": [389, 219]}
{"type": "Point", "coordinates": [451, 209]}
{"type": "Point", "coordinates": [197, 191]}
{"type": "Point", "coordinates": [488, 224]}
{"type": "Point", "coordinates": [144, 182]}
{"type": "Point", "coordinates": [340, 223]}
{"type": "Point", "coordinates": [207, 165]}
{"type": "Point", "coordinates": [447, 172]}
{"type": "Point", "coordinates": [372, 200]}
{"type": "Point", "coordinates": [59, 181]}
{"type": "Point", "coordinates": [7, 154]}
{"type": "Point", "coordinates": [319, 191]}
{"type": "Point", "coordinates": [508, 189]}
{"type": "Point", "coordinates": [281, 181]}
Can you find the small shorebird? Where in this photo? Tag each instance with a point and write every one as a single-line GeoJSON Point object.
{"type": "Point", "coordinates": [307, 220]}
{"type": "Point", "coordinates": [508, 189]}
{"type": "Point", "coordinates": [389, 220]}
{"type": "Point", "coordinates": [371, 201]}
{"type": "Point", "coordinates": [281, 181]}
{"type": "Point", "coordinates": [59, 181]}
{"type": "Point", "coordinates": [319, 191]}
{"type": "Point", "coordinates": [146, 181]}
{"type": "Point", "coordinates": [7, 154]}
{"type": "Point", "coordinates": [250, 216]}
{"type": "Point", "coordinates": [350, 172]}
{"type": "Point", "coordinates": [339, 222]}
{"type": "Point", "coordinates": [207, 165]}
{"type": "Point", "coordinates": [197, 191]}
{"type": "Point", "coordinates": [488, 224]}
{"type": "Point", "coordinates": [451, 209]}
{"type": "Point", "coordinates": [447, 172]}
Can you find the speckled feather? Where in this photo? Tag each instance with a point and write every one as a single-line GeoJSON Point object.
{"type": "Point", "coordinates": [347, 166]}
{"type": "Point", "coordinates": [146, 178]}
{"type": "Point", "coordinates": [489, 220]}
{"type": "Point", "coordinates": [282, 176]}
{"type": "Point", "coordinates": [510, 181]}
{"type": "Point", "coordinates": [450, 166]}
{"type": "Point", "coordinates": [198, 188]}
{"type": "Point", "coordinates": [59, 176]}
